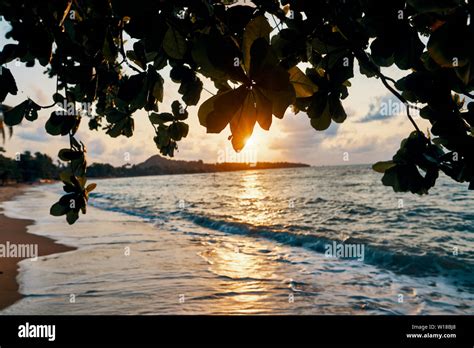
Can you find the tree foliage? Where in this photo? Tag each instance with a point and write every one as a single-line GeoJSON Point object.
{"type": "Point", "coordinates": [27, 168]}
{"type": "Point", "coordinates": [251, 53]}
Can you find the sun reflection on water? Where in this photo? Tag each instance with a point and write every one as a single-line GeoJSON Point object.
{"type": "Point", "coordinates": [246, 278]}
{"type": "Point", "coordinates": [251, 198]}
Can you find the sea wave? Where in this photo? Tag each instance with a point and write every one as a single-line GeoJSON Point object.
{"type": "Point", "coordinates": [409, 261]}
{"type": "Point", "coordinates": [403, 263]}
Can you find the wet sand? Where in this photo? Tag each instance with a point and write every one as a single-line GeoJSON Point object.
{"type": "Point", "coordinates": [14, 231]}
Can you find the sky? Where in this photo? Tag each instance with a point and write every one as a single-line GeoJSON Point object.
{"type": "Point", "coordinates": [372, 132]}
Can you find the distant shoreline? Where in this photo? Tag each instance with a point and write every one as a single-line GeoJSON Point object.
{"type": "Point", "coordinates": [157, 165]}
{"type": "Point", "coordinates": [14, 232]}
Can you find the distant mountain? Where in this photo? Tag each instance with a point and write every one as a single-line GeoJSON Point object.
{"type": "Point", "coordinates": [158, 165]}
{"type": "Point", "coordinates": [161, 163]}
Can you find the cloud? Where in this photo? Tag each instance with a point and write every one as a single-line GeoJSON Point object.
{"type": "Point", "coordinates": [130, 153]}
{"type": "Point", "coordinates": [40, 96]}
{"type": "Point", "coordinates": [96, 147]}
{"type": "Point", "coordinates": [384, 108]}
{"type": "Point", "coordinates": [297, 134]}
{"type": "Point", "coordinates": [298, 141]}
{"type": "Point", "coordinates": [353, 143]}
{"type": "Point", "coordinates": [366, 146]}
{"type": "Point", "coordinates": [332, 130]}
{"type": "Point", "coordinates": [31, 134]}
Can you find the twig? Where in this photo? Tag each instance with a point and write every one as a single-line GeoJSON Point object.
{"type": "Point", "coordinates": [204, 88]}
{"type": "Point", "coordinates": [66, 12]}
{"type": "Point", "coordinates": [124, 55]}
{"type": "Point", "coordinates": [362, 56]}
{"type": "Point", "coordinates": [277, 25]}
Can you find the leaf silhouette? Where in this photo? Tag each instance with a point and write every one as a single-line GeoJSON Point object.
{"type": "Point", "coordinates": [243, 123]}
{"type": "Point", "coordinates": [265, 90]}
{"type": "Point", "coordinates": [303, 86]}
{"type": "Point", "coordinates": [174, 44]}
{"type": "Point", "coordinates": [255, 29]}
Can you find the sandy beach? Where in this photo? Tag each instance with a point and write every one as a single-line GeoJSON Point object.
{"type": "Point", "coordinates": [14, 231]}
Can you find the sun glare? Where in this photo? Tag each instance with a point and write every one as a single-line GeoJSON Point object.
{"type": "Point", "coordinates": [253, 141]}
{"type": "Point", "coordinates": [257, 145]}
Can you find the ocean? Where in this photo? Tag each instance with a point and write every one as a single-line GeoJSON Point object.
{"type": "Point", "coordinates": [318, 240]}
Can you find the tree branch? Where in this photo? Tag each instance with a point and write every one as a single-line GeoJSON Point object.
{"type": "Point", "coordinates": [362, 56]}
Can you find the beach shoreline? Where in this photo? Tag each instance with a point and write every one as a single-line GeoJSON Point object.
{"type": "Point", "coordinates": [15, 232]}
{"type": "Point", "coordinates": [139, 252]}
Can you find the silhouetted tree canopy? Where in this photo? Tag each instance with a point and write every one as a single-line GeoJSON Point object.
{"type": "Point", "coordinates": [27, 168]}
{"type": "Point", "coordinates": [256, 73]}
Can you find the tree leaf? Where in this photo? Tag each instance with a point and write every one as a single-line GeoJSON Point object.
{"type": "Point", "coordinates": [448, 45]}
{"type": "Point", "coordinates": [224, 55]}
{"type": "Point", "coordinates": [184, 129]}
{"type": "Point", "coordinates": [265, 70]}
{"type": "Point", "coordinates": [243, 123]}
{"type": "Point", "coordinates": [161, 118]}
{"type": "Point", "coordinates": [264, 109]}
{"type": "Point", "coordinates": [321, 123]}
{"type": "Point", "coordinates": [7, 83]}
{"type": "Point", "coordinates": [406, 177]}
{"type": "Point", "coordinates": [408, 53]}
{"type": "Point", "coordinates": [438, 6]}
{"type": "Point", "coordinates": [179, 112]}
{"type": "Point", "coordinates": [72, 216]}
{"type": "Point", "coordinates": [338, 114]}
{"type": "Point", "coordinates": [157, 90]}
{"type": "Point", "coordinates": [65, 176]}
{"type": "Point", "coordinates": [225, 106]}
{"type": "Point", "coordinates": [109, 49]}
{"type": "Point", "coordinates": [62, 124]}
{"type": "Point", "coordinates": [191, 91]}
{"type": "Point", "coordinates": [262, 58]}
{"type": "Point", "coordinates": [255, 29]}
{"type": "Point", "coordinates": [70, 155]}
{"type": "Point", "coordinates": [382, 166]}
{"type": "Point", "coordinates": [174, 44]}
{"type": "Point", "coordinates": [303, 86]}
{"type": "Point", "coordinates": [178, 130]}
{"type": "Point", "coordinates": [202, 53]}
{"type": "Point", "coordinates": [319, 113]}
{"type": "Point", "coordinates": [382, 52]}
{"type": "Point", "coordinates": [133, 88]}
{"type": "Point", "coordinates": [15, 115]}
{"type": "Point", "coordinates": [32, 111]}
{"type": "Point", "coordinates": [206, 109]}
{"type": "Point", "coordinates": [91, 187]}
{"type": "Point", "coordinates": [9, 53]}
{"type": "Point", "coordinates": [58, 209]}
{"type": "Point", "coordinates": [280, 99]}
